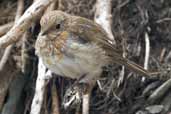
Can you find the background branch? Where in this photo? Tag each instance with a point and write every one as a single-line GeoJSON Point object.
{"type": "Point", "coordinates": [103, 16]}
{"type": "Point", "coordinates": [7, 52]}
{"type": "Point", "coordinates": [25, 22]}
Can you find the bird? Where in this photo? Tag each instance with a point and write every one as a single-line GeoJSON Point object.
{"type": "Point", "coordinates": [78, 48]}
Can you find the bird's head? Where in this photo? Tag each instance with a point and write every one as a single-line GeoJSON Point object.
{"type": "Point", "coordinates": [53, 22]}
{"type": "Point", "coordinates": [52, 34]}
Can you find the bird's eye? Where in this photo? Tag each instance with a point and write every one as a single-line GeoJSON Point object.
{"type": "Point", "coordinates": [58, 26]}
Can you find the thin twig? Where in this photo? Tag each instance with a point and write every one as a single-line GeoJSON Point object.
{"type": "Point", "coordinates": [168, 56]}
{"type": "Point", "coordinates": [163, 20]}
{"type": "Point", "coordinates": [162, 54]}
{"type": "Point", "coordinates": [123, 4]}
{"type": "Point", "coordinates": [147, 51]}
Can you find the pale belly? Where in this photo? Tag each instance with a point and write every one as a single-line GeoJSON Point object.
{"type": "Point", "coordinates": [77, 60]}
{"type": "Point", "coordinates": [75, 67]}
{"type": "Point", "coordinates": [65, 67]}
{"type": "Point", "coordinates": [73, 59]}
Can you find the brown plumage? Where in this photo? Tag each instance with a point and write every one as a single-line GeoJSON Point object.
{"type": "Point", "coordinates": [74, 46]}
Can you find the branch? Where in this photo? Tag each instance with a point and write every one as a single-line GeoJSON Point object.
{"type": "Point", "coordinates": [103, 16]}
{"type": "Point", "coordinates": [7, 52]}
{"type": "Point", "coordinates": [20, 9]}
{"type": "Point", "coordinates": [25, 22]}
{"type": "Point", "coordinates": [41, 82]}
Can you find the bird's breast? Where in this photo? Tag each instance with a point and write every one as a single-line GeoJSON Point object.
{"type": "Point", "coordinates": [70, 57]}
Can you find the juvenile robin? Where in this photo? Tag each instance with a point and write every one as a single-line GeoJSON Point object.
{"type": "Point", "coordinates": [78, 48]}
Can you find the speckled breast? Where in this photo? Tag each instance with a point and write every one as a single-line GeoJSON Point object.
{"type": "Point", "coordinates": [69, 56]}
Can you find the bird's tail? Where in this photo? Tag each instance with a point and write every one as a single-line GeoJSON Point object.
{"type": "Point", "coordinates": [133, 66]}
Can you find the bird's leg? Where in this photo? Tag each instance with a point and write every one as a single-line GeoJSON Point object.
{"type": "Point", "coordinates": [77, 92]}
{"type": "Point", "coordinates": [86, 100]}
{"type": "Point", "coordinates": [85, 84]}
{"type": "Point", "coordinates": [82, 87]}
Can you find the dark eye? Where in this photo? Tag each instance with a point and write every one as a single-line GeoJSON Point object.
{"type": "Point", "coordinates": [58, 26]}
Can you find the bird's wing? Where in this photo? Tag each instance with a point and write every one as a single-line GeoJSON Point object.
{"type": "Point", "coordinates": [92, 32]}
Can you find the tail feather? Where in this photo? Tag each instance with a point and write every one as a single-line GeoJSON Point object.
{"type": "Point", "coordinates": [133, 66]}
{"type": "Point", "coordinates": [137, 68]}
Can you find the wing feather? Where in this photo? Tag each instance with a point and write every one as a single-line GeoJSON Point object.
{"type": "Point", "coordinates": [92, 32]}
